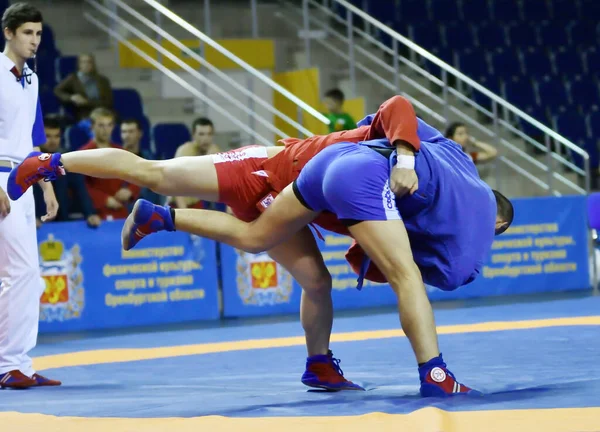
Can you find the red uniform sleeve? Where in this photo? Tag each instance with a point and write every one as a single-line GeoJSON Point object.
{"type": "Point", "coordinates": [396, 120]}
{"type": "Point", "coordinates": [98, 196]}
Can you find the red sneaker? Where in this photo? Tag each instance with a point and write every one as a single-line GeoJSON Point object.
{"type": "Point", "coordinates": [41, 381]}
{"type": "Point", "coordinates": [15, 379]}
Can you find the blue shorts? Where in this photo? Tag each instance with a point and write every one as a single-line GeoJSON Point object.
{"type": "Point", "coordinates": [350, 181]}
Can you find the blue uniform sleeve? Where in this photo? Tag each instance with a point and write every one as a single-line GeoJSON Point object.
{"type": "Point", "coordinates": [428, 133]}
{"type": "Point", "coordinates": [366, 121]}
{"type": "Point", "coordinates": [38, 135]}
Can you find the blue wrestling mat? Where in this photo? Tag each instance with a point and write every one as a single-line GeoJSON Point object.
{"type": "Point", "coordinates": [527, 357]}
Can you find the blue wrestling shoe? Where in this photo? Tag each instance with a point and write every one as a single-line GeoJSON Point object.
{"type": "Point", "coordinates": [438, 381]}
{"type": "Point", "coordinates": [35, 167]}
{"type": "Point", "coordinates": [324, 372]}
{"type": "Point", "coordinates": [145, 218]}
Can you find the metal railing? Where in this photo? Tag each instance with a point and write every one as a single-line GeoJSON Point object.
{"type": "Point", "coordinates": [407, 75]}
{"type": "Point", "coordinates": [244, 65]}
{"type": "Point", "coordinates": [113, 23]}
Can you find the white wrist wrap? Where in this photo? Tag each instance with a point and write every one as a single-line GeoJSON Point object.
{"type": "Point", "coordinates": [406, 161]}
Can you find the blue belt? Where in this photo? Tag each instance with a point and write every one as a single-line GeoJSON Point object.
{"type": "Point", "coordinates": [5, 169]}
{"type": "Point", "coordinates": [364, 266]}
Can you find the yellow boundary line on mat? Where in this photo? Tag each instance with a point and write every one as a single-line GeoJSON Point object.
{"type": "Point", "coordinates": [119, 355]}
{"type": "Point", "coordinates": [423, 420]}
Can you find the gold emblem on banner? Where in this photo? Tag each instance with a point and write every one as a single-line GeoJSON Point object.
{"type": "Point", "coordinates": [63, 296]}
{"type": "Point", "coordinates": [261, 281]}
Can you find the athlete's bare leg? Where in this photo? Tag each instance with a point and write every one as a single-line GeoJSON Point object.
{"type": "Point", "coordinates": [184, 176]}
{"type": "Point", "coordinates": [303, 259]}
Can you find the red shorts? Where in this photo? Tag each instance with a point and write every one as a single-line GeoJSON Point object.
{"type": "Point", "coordinates": [241, 185]}
{"type": "Point", "coordinates": [244, 188]}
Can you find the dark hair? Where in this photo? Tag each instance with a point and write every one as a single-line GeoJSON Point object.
{"type": "Point", "coordinates": [451, 130]}
{"type": "Point", "coordinates": [336, 94]}
{"type": "Point", "coordinates": [18, 14]}
{"type": "Point", "coordinates": [134, 121]}
{"type": "Point", "coordinates": [202, 121]}
{"type": "Point", "coordinates": [52, 121]}
{"type": "Point", "coordinates": [505, 211]}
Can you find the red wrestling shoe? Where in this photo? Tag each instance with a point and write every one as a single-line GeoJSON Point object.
{"type": "Point", "coordinates": [438, 381]}
{"type": "Point", "coordinates": [41, 381]}
{"type": "Point", "coordinates": [36, 166]}
{"type": "Point", "coordinates": [323, 371]}
{"type": "Point", "coordinates": [145, 218]}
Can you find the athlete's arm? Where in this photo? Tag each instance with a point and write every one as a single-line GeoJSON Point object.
{"type": "Point", "coordinates": [284, 217]}
{"type": "Point", "coordinates": [387, 244]}
{"type": "Point", "coordinates": [395, 120]}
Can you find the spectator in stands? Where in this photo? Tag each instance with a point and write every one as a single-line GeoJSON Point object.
{"type": "Point", "coordinates": [483, 152]}
{"type": "Point", "coordinates": [131, 137]}
{"type": "Point", "coordinates": [85, 89]}
{"type": "Point", "coordinates": [203, 131]}
{"type": "Point", "coordinates": [70, 190]}
{"type": "Point", "coordinates": [340, 120]}
{"type": "Point", "coordinates": [111, 197]}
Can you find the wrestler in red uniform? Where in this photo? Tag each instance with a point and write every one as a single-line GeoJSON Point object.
{"type": "Point", "coordinates": [247, 180]}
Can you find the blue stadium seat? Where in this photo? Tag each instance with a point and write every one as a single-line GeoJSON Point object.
{"type": "Point", "coordinates": [590, 10]}
{"type": "Point", "coordinates": [413, 11]}
{"type": "Point", "coordinates": [568, 62]}
{"type": "Point", "coordinates": [167, 137]}
{"type": "Point", "coordinates": [491, 83]}
{"type": "Point", "coordinates": [476, 12]}
{"type": "Point", "coordinates": [565, 10]}
{"type": "Point", "coordinates": [552, 92]}
{"type": "Point", "coordinates": [584, 93]}
{"type": "Point", "coordinates": [50, 103]}
{"type": "Point", "coordinates": [48, 43]}
{"type": "Point", "coordinates": [584, 34]}
{"type": "Point", "coordinates": [593, 120]}
{"type": "Point", "coordinates": [592, 61]}
{"type": "Point", "coordinates": [65, 66]}
{"type": "Point", "coordinates": [445, 10]}
{"type": "Point", "coordinates": [473, 63]}
{"type": "Point", "coordinates": [46, 70]}
{"type": "Point", "coordinates": [505, 11]}
{"type": "Point", "coordinates": [553, 35]}
{"type": "Point", "coordinates": [443, 54]}
{"type": "Point", "coordinates": [538, 113]}
{"type": "Point", "coordinates": [523, 35]}
{"type": "Point", "coordinates": [458, 36]}
{"type": "Point", "coordinates": [572, 126]}
{"type": "Point", "coordinates": [536, 62]}
{"type": "Point", "coordinates": [76, 137]}
{"type": "Point", "coordinates": [387, 12]}
{"type": "Point", "coordinates": [519, 92]}
{"type": "Point", "coordinates": [536, 11]}
{"type": "Point", "coordinates": [427, 35]}
{"type": "Point", "coordinates": [127, 103]}
{"type": "Point", "coordinates": [491, 36]}
{"type": "Point", "coordinates": [506, 64]}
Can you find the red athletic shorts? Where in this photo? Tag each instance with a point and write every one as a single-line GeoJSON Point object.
{"type": "Point", "coordinates": [241, 185]}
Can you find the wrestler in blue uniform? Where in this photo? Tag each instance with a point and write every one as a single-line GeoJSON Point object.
{"type": "Point", "coordinates": [450, 220]}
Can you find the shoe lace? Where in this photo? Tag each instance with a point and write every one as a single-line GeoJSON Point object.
{"type": "Point", "coordinates": [49, 175]}
{"type": "Point", "coordinates": [336, 364]}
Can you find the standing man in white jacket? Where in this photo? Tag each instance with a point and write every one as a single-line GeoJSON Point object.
{"type": "Point", "coordinates": [21, 130]}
